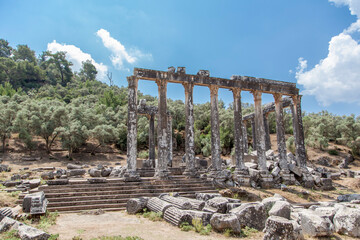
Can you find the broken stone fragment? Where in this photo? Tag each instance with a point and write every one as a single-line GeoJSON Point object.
{"type": "Point", "coordinates": [220, 222]}
{"type": "Point", "coordinates": [216, 205]}
{"type": "Point", "coordinates": [281, 209]}
{"type": "Point", "coordinates": [315, 225]}
{"type": "Point", "coordinates": [251, 214]}
{"type": "Point", "coordinates": [281, 228]}
{"type": "Point", "coordinates": [94, 172]}
{"type": "Point", "coordinates": [76, 172]}
{"type": "Point", "coordinates": [73, 166]}
{"type": "Point", "coordinates": [347, 221]}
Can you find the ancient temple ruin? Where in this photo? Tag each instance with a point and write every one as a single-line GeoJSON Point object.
{"type": "Point", "coordinates": [236, 84]}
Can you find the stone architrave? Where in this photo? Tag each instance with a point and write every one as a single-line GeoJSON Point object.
{"type": "Point", "coordinates": [131, 174]}
{"type": "Point", "coordinates": [152, 139]}
{"type": "Point", "coordinates": [259, 132]}
{"type": "Point", "coordinates": [299, 132]}
{"type": "Point", "coordinates": [161, 170]}
{"type": "Point", "coordinates": [215, 129]}
{"type": "Point", "coordinates": [189, 130]}
{"type": "Point", "coordinates": [267, 132]}
{"type": "Point", "coordinates": [169, 136]}
{"type": "Point", "coordinates": [280, 132]}
{"type": "Point", "coordinates": [238, 135]}
{"type": "Point", "coordinates": [253, 132]}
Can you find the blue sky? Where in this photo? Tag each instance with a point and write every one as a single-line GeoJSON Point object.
{"type": "Point", "coordinates": [298, 41]}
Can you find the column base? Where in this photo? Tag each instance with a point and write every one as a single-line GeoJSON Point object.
{"type": "Point", "coordinates": [287, 178]}
{"type": "Point", "coordinates": [243, 180]}
{"type": "Point", "coordinates": [191, 173]}
{"type": "Point", "coordinates": [161, 174]}
{"type": "Point", "coordinates": [132, 176]}
{"type": "Point", "coordinates": [307, 180]}
{"type": "Point", "coordinates": [266, 180]}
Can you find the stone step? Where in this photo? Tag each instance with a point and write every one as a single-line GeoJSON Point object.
{"type": "Point", "coordinates": [122, 188]}
{"type": "Point", "coordinates": [131, 191]}
{"type": "Point", "coordinates": [106, 207]}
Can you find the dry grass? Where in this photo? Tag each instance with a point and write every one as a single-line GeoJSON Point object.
{"type": "Point", "coordinates": [7, 199]}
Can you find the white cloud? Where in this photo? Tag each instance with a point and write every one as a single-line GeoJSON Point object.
{"type": "Point", "coordinates": [336, 78]}
{"type": "Point", "coordinates": [119, 53]}
{"type": "Point", "coordinates": [77, 56]}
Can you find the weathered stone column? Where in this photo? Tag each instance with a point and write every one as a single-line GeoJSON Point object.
{"type": "Point", "coordinates": [161, 170]}
{"type": "Point", "coordinates": [259, 132]}
{"type": "Point", "coordinates": [280, 131]}
{"type": "Point", "coordinates": [238, 135]}
{"type": "Point", "coordinates": [215, 130]}
{"type": "Point", "coordinates": [245, 138]}
{"type": "Point", "coordinates": [152, 139]}
{"type": "Point", "coordinates": [267, 132]}
{"type": "Point", "coordinates": [170, 155]}
{"type": "Point", "coordinates": [189, 131]}
{"type": "Point", "coordinates": [253, 132]}
{"type": "Point", "coordinates": [301, 157]}
{"type": "Point", "coordinates": [131, 173]}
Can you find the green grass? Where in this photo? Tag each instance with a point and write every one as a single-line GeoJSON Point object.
{"type": "Point", "coordinates": [153, 216]}
{"type": "Point", "coordinates": [186, 227]}
{"type": "Point", "coordinates": [10, 235]}
{"type": "Point", "coordinates": [15, 194]}
{"type": "Point", "coordinates": [47, 220]}
{"type": "Point", "coordinates": [247, 231]}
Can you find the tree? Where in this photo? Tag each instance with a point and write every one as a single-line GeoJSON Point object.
{"type": "Point", "coordinates": [104, 134]}
{"type": "Point", "coordinates": [24, 53]}
{"type": "Point", "coordinates": [5, 49]}
{"type": "Point", "coordinates": [22, 125]}
{"type": "Point", "coordinates": [57, 67]}
{"type": "Point", "coordinates": [88, 71]}
{"type": "Point", "coordinates": [48, 118]}
{"type": "Point", "coordinates": [7, 68]}
{"type": "Point", "coordinates": [7, 117]}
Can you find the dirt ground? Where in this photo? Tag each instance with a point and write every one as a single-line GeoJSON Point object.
{"type": "Point", "coordinates": [120, 223]}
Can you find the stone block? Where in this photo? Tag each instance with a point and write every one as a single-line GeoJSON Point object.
{"type": "Point", "coordinates": [220, 222]}
{"type": "Point", "coordinates": [281, 209]}
{"type": "Point", "coordinates": [315, 225]}
{"type": "Point", "coordinates": [93, 172]}
{"type": "Point", "coordinates": [71, 166]}
{"type": "Point", "coordinates": [251, 214]}
{"type": "Point", "coordinates": [216, 205]}
{"type": "Point", "coordinates": [76, 172]}
{"type": "Point", "coordinates": [347, 221]}
{"type": "Point", "coordinates": [277, 228]}
{"type": "Point", "coordinates": [6, 223]}
{"type": "Point", "coordinates": [62, 181]}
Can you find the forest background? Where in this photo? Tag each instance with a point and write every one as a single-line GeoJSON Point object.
{"type": "Point", "coordinates": [42, 97]}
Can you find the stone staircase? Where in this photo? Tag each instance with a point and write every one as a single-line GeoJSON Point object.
{"type": "Point", "coordinates": [80, 195]}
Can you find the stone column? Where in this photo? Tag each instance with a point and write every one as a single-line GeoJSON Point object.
{"type": "Point", "coordinates": [215, 129]}
{"type": "Point", "coordinates": [152, 139]}
{"type": "Point", "coordinates": [189, 131]}
{"type": "Point", "coordinates": [267, 132]}
{"type": "Point", "coordinates": [238, 135]}
{"type": "Point", "coordinates": [245, 138]}
{"type": "Point", "coordinates": [170, 155]}
{"type": "Point", "coordinates": [131, 173]}
{"type": "Point", "coordinates": [280, 131]}
{"type": "Point", "coordinates": [161, 170]}
{"type": "Point", "coordinates": [259, 132]}
{"type": "Point", "coordinates": [301, 157]}
{"type": "Point", "coordinates": [253, 132]}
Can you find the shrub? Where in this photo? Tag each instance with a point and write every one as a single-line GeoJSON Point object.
{"type": "Point", "coordinates": [48, 220]}
{"type": "Point", "coordinates": [153, 216]}
{"type": "Point", "coordinates": [185, 226]}
{"type": "Point", "coordinates": [143, 154]}
{"type": "Point", "coordinates": [290, 144]}
{"type": "Point", "coordinates": [333, 152]}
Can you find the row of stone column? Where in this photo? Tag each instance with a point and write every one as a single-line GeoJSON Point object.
{"type": "Point", "coordinates": [161, 170]}
{"type": "Point", "coordinates": [280, 130]}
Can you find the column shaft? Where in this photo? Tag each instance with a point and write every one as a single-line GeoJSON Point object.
{"type": "Point", "coordinates": [267, 133]}
{"type": "Point", "coordinates": [215, 130]}
{"type": "Point", "coordinates": [280, 131]}
{"type": "Point", "coordinates": [152, 139]}
{"type": "Point", "coordinates": [238, 135]}
{"type": "Point", "coordinates": [253, 132]}
{"type": "Point", "coordinates": [301, 157]}
{"type": "Point", "coordinates": [189, 130]}
{"type": "Point", "coordinates": [245, 138]}
{"type": "Point", "coordinates": [170, 155]}
{"type": "Point", "coordinates": [161, 170]}
{"type": "Point", "coordinates": [260, 132]}
{"type": "Point", "coordinates": [131, 153]}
